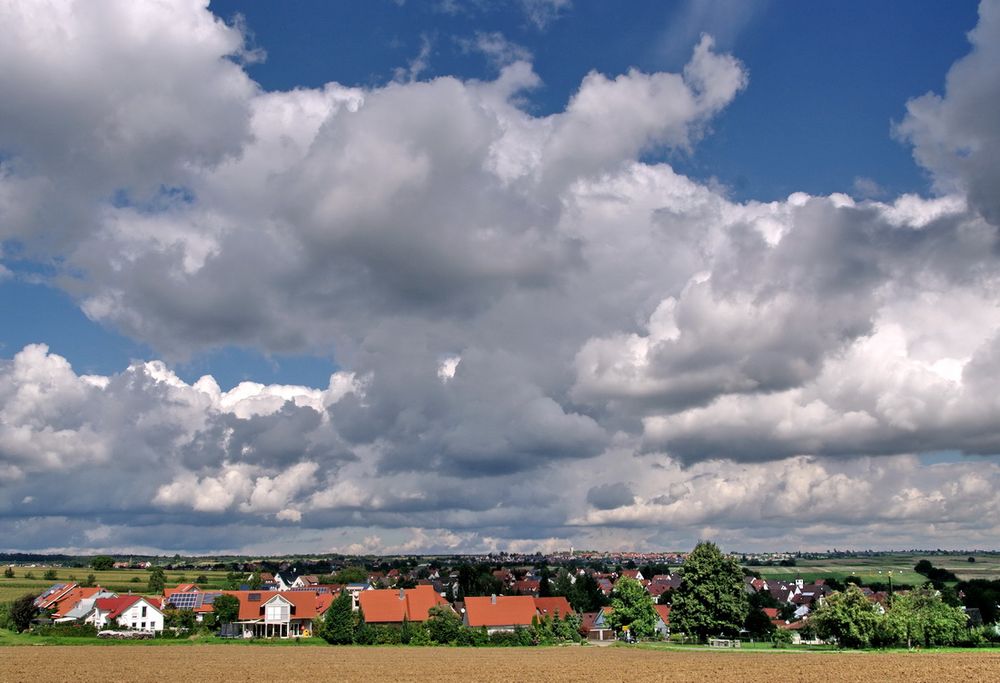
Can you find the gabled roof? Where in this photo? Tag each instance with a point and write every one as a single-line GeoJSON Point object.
{"type": "Point", "coordinates": [554, 607]}
{"type": "Point", "coordinates": [502, 610]}
{"type": "Point", "coordinates": [305, 604]}
{"type": "Point", "coordinates": [115, 606]}
{"type": "Point", "coordinates": [53, 594]}
{"type": "Point", "coordinates": [664, 612]}
{"type": "Point", "coordinates": [180, 588]}
{"type": "Point", "coordinates": [71, 598]}
{"type": "Point", "coordinates": [390, 606]}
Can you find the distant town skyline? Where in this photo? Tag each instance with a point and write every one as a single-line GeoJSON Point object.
{"type": "Point", "coordinates": [460, 277]}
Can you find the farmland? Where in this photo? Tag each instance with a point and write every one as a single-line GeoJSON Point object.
{"type": "Point", "coordinates": [900, 564]}
{"type": "Point", "coordinates": [218, 662]}
{"type": "Point", "coordinates": [119, 580]}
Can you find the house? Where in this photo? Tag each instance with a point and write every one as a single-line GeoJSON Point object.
{"type": "Point", "coordinates": [527, 586]}
{"type": "Point", "coordinates": [354, 590]}
{"type": "Point", "coordinates": [500, 613]}
{"type": "Point", "coordinates": [279, 614]}
{"type": "Point", "coordinates": [54, 594]}
{"type": "Point", "coordinates": [391, 606]}
{"type": "Point", "coordinates": [595, 625]}
{"type": "Point", "coordinates": [69, 599]}
{"type": "Point", "coordinates": [127, 611]}
{"type": "Point", "coordinates": [633, 574]}
{"type": "Point", "coordinates": [283, 581]}
{"type": "Point", "coordinates": [305, 581]}
{"type": "Point", "coordinates": [199, 602]}
{"type": "Point", "coordinates": [77, 606]}
{"type": "Point", "coordinates": [557, 608]}
{"type": "Point", "coordinates": [663, 623]}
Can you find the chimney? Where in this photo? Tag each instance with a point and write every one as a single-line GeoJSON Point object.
{"type": "Point", "coordinates": [493, 599]}
{"type": "Point", "coordinates": [402, 594]}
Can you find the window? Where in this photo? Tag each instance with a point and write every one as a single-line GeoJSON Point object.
{"type": "Point", "coordinates": [144, 611]}
{"type": "Point", "coordinates": [143, 624]}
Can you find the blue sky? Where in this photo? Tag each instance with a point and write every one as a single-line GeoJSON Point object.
{"type": "Point", "coordinates": [826, 65]}
{"type": "Point", "coordinates": [459, 276]}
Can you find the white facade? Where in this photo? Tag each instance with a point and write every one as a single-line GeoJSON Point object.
{"type": "Point", "coordinates": [140, 616]}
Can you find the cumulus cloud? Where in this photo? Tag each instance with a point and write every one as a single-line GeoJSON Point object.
{"type": "Point", "coordinates": [955, 135]}
{"type": "Point", "coordinates": [544, 338]}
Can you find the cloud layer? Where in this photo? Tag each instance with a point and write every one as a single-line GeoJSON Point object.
{"type": "Point", "coordinates": [545, 337]}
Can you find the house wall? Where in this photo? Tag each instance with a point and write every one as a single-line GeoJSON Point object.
{"type": "Point", "coordinates": [133, 617]}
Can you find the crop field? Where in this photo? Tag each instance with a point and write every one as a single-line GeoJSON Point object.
{"type": "Point", "coordinates": [901, 566]}
{"type": "Point", "coordinates": [234, 664]}
{"type": "Point", "coordinates": [120, 580]}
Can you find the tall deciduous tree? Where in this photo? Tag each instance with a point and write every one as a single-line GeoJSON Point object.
{"type": "Point", "coordinates": [226, 608]}
{"type": "Point", "coordinates": [632, 607]}
{"type": "Point", "coordinates": [22, 611]}
{"type": "Point", "coordinates": [157, 580]}
{"type": "Point", "coordinates": [921, 616]}
{"type": "Point", "coordinates": [712, 597]}
{"type": "Point", "coordinates": [849, 617]}
{"type": "Point", "coordinates": [338, 625]}
{"type": "Point", "coordinates": [102, 563]}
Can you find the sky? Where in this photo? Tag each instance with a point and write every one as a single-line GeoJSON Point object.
{"type": "Point", "coordinates": [448, 277]}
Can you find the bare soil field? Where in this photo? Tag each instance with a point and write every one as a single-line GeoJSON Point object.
{"type": "Point", "coordinates": [234, 664]}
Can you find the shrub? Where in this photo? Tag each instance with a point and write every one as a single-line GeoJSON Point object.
{"type": "Point", "coordinates": [781, 638]}
{"type": "Point", "coordinates": [69, 630]}
{"type": "Point", "coordinates": [419, 635]}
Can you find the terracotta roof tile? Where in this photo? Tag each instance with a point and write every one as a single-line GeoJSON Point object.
{"type": "Point", "coordinates": [504, 610]}
{"type": "Point", "coordinates": [390, 605]}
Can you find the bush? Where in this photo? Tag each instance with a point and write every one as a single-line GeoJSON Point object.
{"type": "Point", "coordinates": [781, 638]}
{"type": "Point", "coordinates": [443, 625]}
{"type": "Point", "coordinates": [50, 575]}
{"type": "Point", "coordinates": [504, 639]}
{"type": "Point", "coordinates": [419, 635]}
{"type": "Point", "coordinates": [68, 630]}
{"type": "Point", "coordinates": [385, 635]}
{"type": "Point", "coordinates": [8, 573]}
{"type": "Point", "coordinates": [29, 575]}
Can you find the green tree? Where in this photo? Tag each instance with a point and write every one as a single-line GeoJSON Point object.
{"type": "Point", "coordinates": [50, 575]}
{"type": "Point", "coordinates": [586, 595]}
{"type": "Point", "coordinates": [8, 573]}
{"type": "Point", "coordinates": [226, 608]}
{"type": "Point", "coordinates": [632, 607]}
{"type": "Point", "coordinates": [255, 581]}
{"type": "Point", "coordinates": [363, 633]}
{"type": "Point", "coordinates": [157, 580]}
{"type": "Point", "coordinates": [563, 584]}
{"type": "Point", "coordinates": [338, 624]}
{"type": "Point", "coordinates": [22, 611]}
{"type": "Point", "coordinates": [758, 624]}
{"type": "Point", "coordinates": [89, 581]}
{"type": "Point", "coordinates": [849, 617]}
{"type": "Point", "coordinates": [102, 563]}
{"type": "Point", "coordinates": [351, 575]}
{"type": "Point", "coordinates": [443, 624]}
{"type": "Point", "coordinates": [922, 616]}
{"type": "Point", "coordinates": [201, 579]}
{"type": "Point", "coordinates": [545, 583]}
{"type": "Point", "coordinates": [233, 581]}
{"type": "Point", "coordinates": [711, 598]}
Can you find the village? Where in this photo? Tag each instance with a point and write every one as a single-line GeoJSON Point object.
{"type": "Point", "coordinates": [285, 604]}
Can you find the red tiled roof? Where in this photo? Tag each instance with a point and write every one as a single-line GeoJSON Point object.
{"type": "Point", "coordinates": [115, 606]}
{"type": "Point", "coordinates": [181, 588]}
{"type": "Point", "coordinates": [771, 612]}
{"type": "Point", "coordinates": [386, 606]}
{"type": "Point", "coordinates": [664, 612]}
{"type": "Point", "coordinates": [507, 610]}
{"type": "Point", "coordinates": [70, 600]}
{"type": "Point", "coordinates": [554, 607]}
{"type": "Point", "coordinates": [307, 604]}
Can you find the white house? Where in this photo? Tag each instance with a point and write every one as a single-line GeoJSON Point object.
{"type": "Point", "coordinates": [127, 611]}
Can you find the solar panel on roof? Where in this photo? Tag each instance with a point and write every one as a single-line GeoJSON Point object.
{"type": "Point", "coordinates": [209, 598]}
{"type": "Point", "coordinates": [253, 597]}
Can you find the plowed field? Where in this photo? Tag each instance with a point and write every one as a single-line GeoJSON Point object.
{"type": "Point", "coordinates": [234, 664]}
